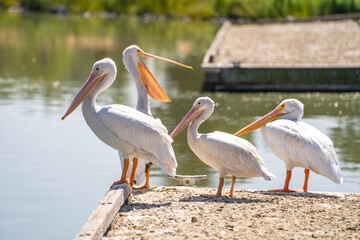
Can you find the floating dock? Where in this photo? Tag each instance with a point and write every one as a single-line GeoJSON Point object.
{"type": "Point", "coordinates": [288, 57]}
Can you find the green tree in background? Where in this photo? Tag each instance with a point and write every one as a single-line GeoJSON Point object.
{"type": "Point", "coordinates": [197, 8]}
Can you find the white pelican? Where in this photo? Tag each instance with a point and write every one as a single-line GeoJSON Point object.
{"type": "Point", "coordinates": [222, 151]}
{"type": "Point", "coordinates": [123, 128]}
{"type": "Point", "coordinates": [297, 143]}
{"type": "Point", "coordinates": [145, 84]}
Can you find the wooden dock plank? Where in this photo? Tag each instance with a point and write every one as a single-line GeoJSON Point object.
{"type": "Point", "coordinates": [100, 220]}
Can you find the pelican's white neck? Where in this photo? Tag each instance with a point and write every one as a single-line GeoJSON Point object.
{"type": "Point", "coordinates": [193, 129]}
{"type": "Point", "coordinates": [143, 101]}
{"type": "Point", "coordinates": [89, 104]}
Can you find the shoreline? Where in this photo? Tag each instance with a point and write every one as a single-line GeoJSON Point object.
{"type": "Point", "coordinates": [62, 11]}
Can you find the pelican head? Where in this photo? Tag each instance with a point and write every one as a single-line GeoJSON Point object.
{"type": "Point", "coordinates": [291, 109]}
{"type": "Point", "coordinates": [102, 75]}
{"type": "Point", "coordinates": [202, 109]}
{"type": "Point", "coordinates": [132, 59]}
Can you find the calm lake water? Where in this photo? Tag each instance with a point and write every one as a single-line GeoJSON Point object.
{"type": "Point", "coordinates": [53, 173]}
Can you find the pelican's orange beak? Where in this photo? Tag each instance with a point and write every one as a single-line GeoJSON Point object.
{"type": "Point", "coordinates": [93, 80]}
{"type": "Point", "coordinates": [194, 112]}
{"type": "Point", "coordinates": [271, 116]}
{"type": "Point", "coordinates": [153, 87]}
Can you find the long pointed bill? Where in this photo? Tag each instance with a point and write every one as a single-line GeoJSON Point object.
{"type": "Point", "coordinates": [88, 87]}
{"type": "Point", "coordinates": [144, 54]}
{"type": "Point", "coordinates": [190, 116]}
{"type": "Point", "coordinates": [153, 87]}
{"type": "Point", "coordinates": [260, 122]}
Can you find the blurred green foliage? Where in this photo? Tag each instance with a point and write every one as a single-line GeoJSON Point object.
{"type": "Point", "coordinates": [197, 8]}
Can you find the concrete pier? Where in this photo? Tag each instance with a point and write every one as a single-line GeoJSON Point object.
{"type": "Point", "coordinates": [100, 219]}
{"type": "Point", "coordinates": [184, 213]}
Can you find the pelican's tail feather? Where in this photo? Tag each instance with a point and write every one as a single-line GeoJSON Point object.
{"type": "Point", "coordinates": [266, 174]}
{"type": "Point", "coordinates": [166, 159]}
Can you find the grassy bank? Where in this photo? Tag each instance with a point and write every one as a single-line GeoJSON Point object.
{"type": "Point", "coordinates": [196, 8]}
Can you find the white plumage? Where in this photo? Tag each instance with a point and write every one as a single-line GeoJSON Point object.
{"type": "Point", "coordinates": [119, 126]}
{"type": "Point", "coordinates": [145, 84]}
{"type": "Point", "coordinates": [222, 151]}
{"type": "Point", "coordinates": [297, 143]}
{"type": "Point", "coordinates": [229, 155]}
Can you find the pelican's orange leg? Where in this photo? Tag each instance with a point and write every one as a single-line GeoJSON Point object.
{"type": "Point", "coordinates": [147, 183]}
{"type": "Point", "coordinates": [305, 187]}
{"type": "Point", "coordinates": [123, 175]}
{"type": "Point", "coordinates": [133, 171]}
{"type": "Point", "coordinates": [219, 190]}
{"type": "Point", "coordinates": [286, 184]}
{"type": "Point", "coordinates": [233, 178]}
{"type": "Point", "coordinates": [307, 175]}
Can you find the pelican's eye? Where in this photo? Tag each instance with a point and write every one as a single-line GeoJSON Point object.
{"type": "Point", "coordinates": [138, 51]}
{"type": "Point", "coordinates": [282, 107]}
{"type": "Point", "coordinates": [199, 103]}
{"type": "Point", "coordinates": [97, 69]}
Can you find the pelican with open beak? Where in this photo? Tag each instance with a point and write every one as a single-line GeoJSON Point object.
{"type": "Point", "coordinates": [146, 84]}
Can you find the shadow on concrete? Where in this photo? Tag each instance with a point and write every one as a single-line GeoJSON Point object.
{"type": "Point", "coordinates": [301, 194]}
{"type": "Point", "coordinates": [223, 199]}
{"type": "Point", "coordinates": [136, 206]}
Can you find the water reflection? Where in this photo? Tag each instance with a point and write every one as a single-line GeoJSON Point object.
{"type": "Point", "coordinates": [64, 169]}
{"type": "Point", "coordinates": [346, 137]}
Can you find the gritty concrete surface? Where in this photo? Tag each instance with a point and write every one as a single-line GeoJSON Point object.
{"type": "Point", "coordinates": [306, 44]}
{"type": "Point", "coordinates": [182, 213]}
